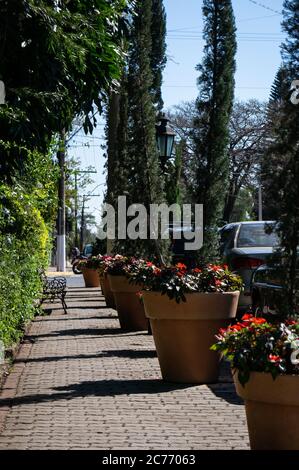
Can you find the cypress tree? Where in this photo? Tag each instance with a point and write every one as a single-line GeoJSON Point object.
{"type": "Point", "coordinates": [158, 50]}
{"type": "Point", "coordinates": [214, 106]}
{"type": "Point", "coordinates": [136, 171]}
{"type": "Point", "coordinates": [273, 161]}
{"type": "Point", "coordinates": [284, 156]}
{"type": "Point", "coordinates": [146, 181]}
{"type": "Point", "coordinates": [112, 124]}
{"type": "Point", "coordinates": [279, 88]}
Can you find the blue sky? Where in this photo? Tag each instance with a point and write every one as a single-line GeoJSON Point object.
{"type": "Point", "coordinates": [259, 37]}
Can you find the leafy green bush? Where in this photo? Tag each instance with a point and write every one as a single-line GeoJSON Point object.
{"type": "Point", "coordinates": [24, 244]}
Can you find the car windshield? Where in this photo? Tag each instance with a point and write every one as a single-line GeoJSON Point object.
{"type": "Point", "coordinates": [253, 235]}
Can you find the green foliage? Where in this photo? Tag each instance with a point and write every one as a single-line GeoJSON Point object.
{"type": "Point", "coordinates": [58, 59]}
{"type": "Point", "coordinates": [133, 168]}
{"type": "Point", "coordinates": [158, 50]}
{"type": "Point", "coordinates": [254, 345]}
{"type": "Point", "coordinates": [24, 245]}
{"type": "Point", "coordinates": [214, 107]}
{"type": "Point", "coordinates": [243, 207]}
{"type": "Point", "coordinates": [282, 159]}
{"type": "Point", "coordinates": [176, 281]}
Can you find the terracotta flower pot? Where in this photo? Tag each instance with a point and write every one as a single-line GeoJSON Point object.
{"type": "Point", "coordinates": [272, 409]}
{"type": "Point", "coordinates": [91, 277]}
{"type": "Point", "coordinates": [184, 333]}
{"type": "Point", "coordinates": [129, 307]}
{"type": "Point", "coordinates": [107, 292]}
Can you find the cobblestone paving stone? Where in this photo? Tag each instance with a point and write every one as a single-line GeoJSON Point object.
{"type": "Point", "coordinates": [79, 382]}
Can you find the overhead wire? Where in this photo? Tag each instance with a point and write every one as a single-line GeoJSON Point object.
{"type": "Point", "coordinates": [266, 7]}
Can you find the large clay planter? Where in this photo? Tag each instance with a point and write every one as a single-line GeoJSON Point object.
{"type": "Point", "coordinates": [91, 277]}
{"type": "Point", "coordinates": [129, 307]}
{"type": "Point", "coordinates": [184, 332]}
{"type": "Point", "coordinates": [108, 294]}
{"type": "Point", "coordinates": [272, 409]}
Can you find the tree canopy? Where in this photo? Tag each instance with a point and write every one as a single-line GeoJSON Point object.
{"type": "Point", "coordinates": [57, 59]}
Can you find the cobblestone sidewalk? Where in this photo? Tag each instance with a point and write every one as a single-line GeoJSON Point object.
{"type": "Point", "coordinates": [80, 383]}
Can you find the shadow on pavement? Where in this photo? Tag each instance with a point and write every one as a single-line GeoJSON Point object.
{"type": "Point", "coordinates": [226, 392]}
{"type": "Point", "coordinates": [76, 318]}
{"type": "Point", "coordinates": [141, 354]}
{"type": "Point", "coordinates": [77, 307]}
{"type": "Point", "coordinates": [57, 358]}
{"type": "Point", "coordinates": [101, 388]}
{"type": "Point", "coordinates": [77, 332]}
{"type": "Point", "coordinates": [131, 354]}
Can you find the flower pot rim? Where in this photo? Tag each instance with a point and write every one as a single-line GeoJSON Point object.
{"type": "Point", "coordinates": [261, 387]}
{"type": "Point", "coordinates": [198, 306]}
{"type": "Point", "coordinates": [145, 291]}
{"type": "Point", "coordinates": [255, 372]}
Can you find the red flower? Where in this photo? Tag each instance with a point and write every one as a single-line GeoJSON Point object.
{"type": "Point", "coordinates": [181, 266]}
{"type": "Point", "coordinates": [247, 317]}
{"type": "Point", "coordinates": [250, 319]}
{"type": "Point", "coordinates": [274, 359]}
{"type": "Point", "coordinates": [149, 264]}
{"type": "Point", "coordinates": [259, 321]}
{"type": "Point", "coordinates": [218, 283]}
{"type": "Point", "coordinates": [157, 271]}
{"type": "Point", "coordinates": [215, 267]}
{"type": "Point", "coordinates": [197, 270]}
{"type": "Point", "coordinates": [225, 267]}
{"type": "Point", "coordinates": [291, 322]}
{"type": "Point", "coordinates": [236, 327]}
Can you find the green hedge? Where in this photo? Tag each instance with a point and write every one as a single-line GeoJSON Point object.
{"type": "Point", "coordinates": [24, 244]}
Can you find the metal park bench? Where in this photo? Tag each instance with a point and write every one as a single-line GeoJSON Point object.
{"type": "Point", "coordinates": [53, 288]}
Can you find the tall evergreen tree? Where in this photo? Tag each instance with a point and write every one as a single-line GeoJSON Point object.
{"type": "Point", "coordinates": [145, 181]}
{"type": "Point", "coordinates": [135, 170]}
{"type": "Point", "coordinates": [214, 106]}
{"type": "Point", "coordinates": [280, 87]}
{"type": "Point", "coordinates": [111, 134]}
{"type": "Point", "coordinates": [272, 161]}
{"type": "Point", "coordinates": [283, 156]}
{"type": "Point", "coordinates": [158, 50]}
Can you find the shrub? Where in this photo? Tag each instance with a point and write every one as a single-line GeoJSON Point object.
{"type": "Point", "coordinates": [24, 247]}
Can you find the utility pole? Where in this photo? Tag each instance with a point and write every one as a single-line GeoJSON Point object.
{"type": "Point", "coordinates": [60, 247]}
{"type": "Point", "coordinates": [82, 228]}
{"type": "Point", "coordinates": [79, 172]}
{"type": "Point", "coordinates": [76, 209]}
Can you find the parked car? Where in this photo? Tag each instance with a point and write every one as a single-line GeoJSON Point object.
{"type": "Point", "coordinates": [267, 289]}
{"type": "Point", "coordinates": [244, 247]}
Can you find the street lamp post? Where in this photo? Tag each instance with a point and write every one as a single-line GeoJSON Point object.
{"type": "Point", "coordinates": [165, 139]}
